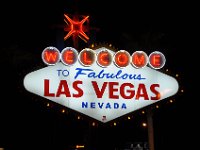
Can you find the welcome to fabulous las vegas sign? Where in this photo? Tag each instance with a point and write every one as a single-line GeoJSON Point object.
{"type": "Point", "coordinates": [101, 83]}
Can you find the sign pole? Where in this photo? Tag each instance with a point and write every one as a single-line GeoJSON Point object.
{"type": "Point", "coordinates": [150, 128]}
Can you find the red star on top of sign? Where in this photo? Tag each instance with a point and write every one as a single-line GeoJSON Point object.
{"type": "Point", "coordinates": [76, 28]}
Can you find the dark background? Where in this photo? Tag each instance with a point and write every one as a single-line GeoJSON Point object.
{"type": "Point", "coordinates": [28, 27]}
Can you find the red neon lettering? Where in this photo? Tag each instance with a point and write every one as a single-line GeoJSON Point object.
{"type": "Point", "coordinates": [78, 89]}
{"type": "Point", "coordinates": [131, 92]}
{"type": "Point", "coordinates": [51, 57]}
{"type": "Point", "coordinates": [63, 89]}
{"type": "Point", "coordinates": [46, 89]}
{"type": "Point", "coordinates": [155, 60]}
{"type": "Point", "coordinates": [68, 57]}
{"type": "Point", "coordinates": [112, 89]}
{"type": "Point", "coordinates": [126, 90]}
{"type": "Point", "coordinates": [104, 58]}
{"type": "Point", "coordinates": [139, 59]}
{"type": "Point", "coordinates": [99, 92]}
{"type": "Point", "coordinates": [154, 91]}
{"type": "Point", "coordinates": [86, 58]}
{"type": "Point", "coordinates": [122, 59]}
{"type": "Point", "coordinates": [142, 92]}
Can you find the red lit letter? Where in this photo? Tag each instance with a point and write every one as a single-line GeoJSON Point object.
{"type": "Point", "coordinates": [87, 57]}
{"type": "Point", "coordinates": [99, 92]}
{"type": "Point", "coordinates": [153, 90]}
{"type": "Point", "coordinates": [69, 56]}
{"type": "Point", "coordinates": [139, 59]}
{"type": "Point", "coordinates": [63, 89]}
{"type": "Point", "coordinates": [142, 92]}
{"type": "Point", "coordinates": [122, 58]}
{"type": "Point", "coordinates": [104, 58]}
{"type": "Point", "coordinates": [78, 89]}
{"type": "Point", "coordinates": [156, 60]}
{"type": "Point", "coordinates": [46, 89]}
{"type": "Point", "coordinates": [112, 90]}
{"type": "Point", "coordinates": [122, 91]}
{"type": "Point", "coordinates": [50, 55]}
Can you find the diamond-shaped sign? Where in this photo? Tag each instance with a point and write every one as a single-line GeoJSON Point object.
{"type": "Point", "coordinates": [101, 93]}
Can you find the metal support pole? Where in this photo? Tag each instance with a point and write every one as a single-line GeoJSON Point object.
{"type": "Point", "coordinates": [150, 128]}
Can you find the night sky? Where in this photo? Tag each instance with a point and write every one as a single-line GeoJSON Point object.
{"type": "Point", "coordinates": [28, 27]}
